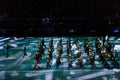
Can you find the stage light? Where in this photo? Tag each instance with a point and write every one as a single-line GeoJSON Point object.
{"type": "Point", "coordinates": [115, 31]}
{"type": "Point", "coordinates": [71, 30]}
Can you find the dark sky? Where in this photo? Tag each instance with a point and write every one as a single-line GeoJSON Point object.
{"type": "Point", "coordinates": [61, 7]}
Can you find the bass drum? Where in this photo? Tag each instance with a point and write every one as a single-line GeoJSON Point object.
{"type": "Point", "coordinates": [77, 53]}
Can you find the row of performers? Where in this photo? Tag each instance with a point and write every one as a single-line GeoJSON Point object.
{"type": "Point", "coordinates": [105, 52]}
{"type": "Point", "coordinates": [104, 49]}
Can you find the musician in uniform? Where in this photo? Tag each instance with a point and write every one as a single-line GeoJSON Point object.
{"type": "Point", "coordinates": [25, 54]}
{"type": "Point", "coordinates": [104, 56]}
{"type": "Point", "coordinates": [36, 60]}
{"type": "Point", "coordinates": [97, 43]}
{"type": "Point", "coordinates": [50, 53]}
{"type": "Point", "coordinates": [70, 61]}
{"type": "Point", "coordinates": [58, 62]}
{"type": "Point", "coordinates": [51, 46]}
{"type": "Point", "coordinates": [48, 61]}
{"type": "Point", "coordinates": [92, 59]}
{"type": "Point", "coordinates": [7, 47]}
{"type": "Point", "coordinates": [114, 59]}
{"type": "Point", "coordinates": [80, 60]}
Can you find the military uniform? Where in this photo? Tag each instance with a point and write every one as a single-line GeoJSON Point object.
{"type": "Point", "coordinates": [58, 62]}
{"type": "Point", "coordinates": [104, 57]}
{"type": "Point", "coordinates": [25, 54]}
{"type": "Point", "coordinates": [92, 59]}
{"type": "Point", "coordinates": [51, 45]}
{"type": "Point", "coordinates": [48, 62]}
{"type": "Point", "coordinates": [80, 61]}
{"type": "Point", "coordinates": [36, 60]}
{"type": "Point", "coordinates": [114, 59]}
{"type": "Point", "coordinates": [7, 46]}
{"type": "Point", "coordinates": [97, 43]}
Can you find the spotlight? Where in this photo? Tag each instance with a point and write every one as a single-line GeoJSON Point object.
{"type": "Point", "coordinates": [115, 31]}
{"type": "Point", "coordinates": [71, 30]}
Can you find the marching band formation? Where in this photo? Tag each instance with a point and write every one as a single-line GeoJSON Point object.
{"type": "Point", "coordinates": [104, 49]}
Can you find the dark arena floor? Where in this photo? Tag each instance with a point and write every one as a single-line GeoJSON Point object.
{"type": "Point", "coordinates": [17, 67]}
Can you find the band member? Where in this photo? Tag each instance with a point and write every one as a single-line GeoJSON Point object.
{"type": "Point", "coordinates": [77, 44]}
{"type": "Point", "coordinates": [69, 43]}
{"type": "Point", "coordinates": [115, 62]}
{"type": "Point", "coordinates": [25, 54]}
{"type": "Point", "coordinates": [100, 47]}
{"type": "Point", "coordinates": [104, 57]}
{"type": "Point", "coordinates": [80, 61]}
{"type": "Point", "coordinates": [58, 62]}
{"type": "Point", "coordinates": [50, 53]}
{"type": "Point", "coordinates": [59, 46]}
{"type": "Point", "coordinates": [68, 47]}
{"type": "Point", "coordinates": [36, 60]}
{"type": "Point", "coordinates": [51, 44]}
{"type": "Point", "coordinates": [86, 41]}
{"type": "Point", "coordinates": [42, 46]}
{"type": "Point", "coordinates": [104, 40]}
{"type": "Point", "coordinates": [114, 59]}
{"type": "Point", "coordinates": [92, 59]}
{"type": "Point", "coordinates": [60, 50]}
{"type": "Point", "coordinates": [42, 49]}
{"type": "Point", "coordinates": [70, 61]}
{"type": "Point", "coordinates": [79, 58]}
{"type": "Point", "coordinates": [86, 45]}
{"type": "Point", "coordinates": [39, 54]}
{"type": "Point", "coordinates": [43, 42]}
{"type": "Point", "coordinates": [97, 43]}
{"type": "Point", "coordinates": [108, 46]}
{"type": "Point", "coordinates": [7, 47]}
{"type": "Point", "coordinates": [48, 62]}
{"type": "Point", "coordinates": [60, 43]}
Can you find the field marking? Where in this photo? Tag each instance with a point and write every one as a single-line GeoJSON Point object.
{"type": "Point", "coordinates": [4, 39]}
{"type": "Point", "coordinates": [97, 74]}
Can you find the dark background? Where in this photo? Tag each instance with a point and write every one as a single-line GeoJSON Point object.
{"type": "Point", "coordinates": [61, 8]}
{"type": "Point", "coordinates": [61, 17]}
